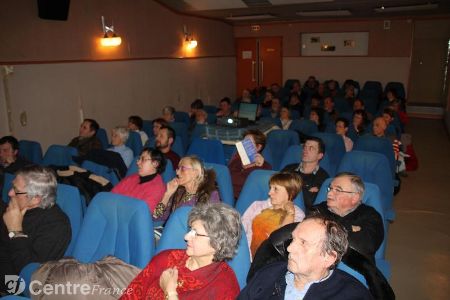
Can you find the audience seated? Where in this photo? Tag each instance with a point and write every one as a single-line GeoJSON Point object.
{"type": "Point", "coordinates": [342, 129]}
{"type": "Point", "coordinates": [309, 170]}
{"type": "Point", "coordinates": [285, 118]}
{"type": "Point", "coordinates": [86, 140]}
{"type": "Point", "coordinates": [316, 249]}
{"type": "Point", "coordinates": [359, 122]}
{"type": "Point", "coordinates": [329, 111]}
{"type": "Point", "coordinates": [119, 137]}
{"type": "Point", "coordinates": [147, 185]}
{"type": "Point", "coordinates": [200, 271]}
{"type": "Point", "coordinates": [238, 171]}
{"type": "Point", "coordinates": [263, 217]}
{"type": "Point", "coordinates": [157, 124]}
{"type": "Point", "coordinates": [246, 97]}
{"type": "Point", "coordinates": [224, 108]}
{"type": "Point", "coordinates": [196, 105]}
{"type": "Point", "coordinates": [192, 185]}
{"type": "Point", "coordinates": [332, 87]}
{"type": "Point", "coordinates": [267, 102]}
{"type": "Point", "coordinates": [164, 141]}
{"type": "Point", "coordinates": [316, 115]}
{"type": "Point", "coordinates": [275, 108]}
{"type": "Point", "coordinates": [295, 104]}
{"type": "Point", "coordinates": [168, 114]}
{"type": "Point", "coordinates": [10, 160]}
{"type": "Point", "coordinates": [135, 123]}
{"type": "Point", "coordinates": [33, 228]}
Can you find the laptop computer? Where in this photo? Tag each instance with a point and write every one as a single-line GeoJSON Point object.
{"type": "Point", "coordinates": [248, 111]}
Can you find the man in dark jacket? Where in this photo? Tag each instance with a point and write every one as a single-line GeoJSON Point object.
{"type": "Point", "coordinates": [33, 228]}
{"type": "Point", "coordinates": [317, 247]}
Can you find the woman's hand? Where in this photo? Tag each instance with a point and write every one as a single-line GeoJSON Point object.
{"type": "Point", "coordinates": [259, 160]}
{"type": "Point", "coordinates": [168, 280]}
{"type": "Point", "coordinates": [289, 208]}
{"type": "Point", "coordinates": [172, 186]}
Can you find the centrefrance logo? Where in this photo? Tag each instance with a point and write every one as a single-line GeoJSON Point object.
{"type": "Point", "coordinates": [16, 285]}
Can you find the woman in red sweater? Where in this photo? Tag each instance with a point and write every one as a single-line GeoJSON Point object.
{"type": "Point", "coordinates": [147, 185]}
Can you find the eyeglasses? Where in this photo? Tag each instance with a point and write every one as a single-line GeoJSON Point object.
{"type": "Point", "coordinates": [17, 192]}
{"type": "Point", "coordinates": [194, 233]}
{"type": "Point", "coordinates": [143, 159]}
{"type": "Point", "coordinates": [338, 190]}
{"type": "Point", "coordinates": [184, 168]}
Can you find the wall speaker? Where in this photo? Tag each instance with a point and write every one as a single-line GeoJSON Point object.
{"type": "Point", "coordinates": [53, 9]}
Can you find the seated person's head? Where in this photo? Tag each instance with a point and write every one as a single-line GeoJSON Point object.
{"type": "Point", "coordinates": [315, 101]}
{"type": "Point", "coordinates": [388, 115]}
{"type": "Point", "coordinates": [268, 96]}
{"type": "Point", "coordinates": [313, 150]}
{"type": "Point", "coordinates": [119, 136]}
{"type": "Point", "coordinates": [216, 229]}
{"type": "Point", "coordinates": [350, 91]}
{"type": "Point", "coordinates": [345, 193]}
{"type": "Point", "coordinates": [285, 113]}
{"type": "Point", "coordinates": [296, 87]}
{"type": "Point", "coordinates": [201, 116]}
{"type": "Point", "coordinates": [168, 113]}
{"type": "Point", "coordinates": [275, 88]}
{"type": "Point", "coordinates": [9, 149]}
{"type": "Point", "coordinates": [165, 138]}
{"type": "Point", "coordinates": [391, 94]}
{"type": "Point", "coordinates": [196, 105]}
{"type": "Point", "coordinates": [135, 123]}
{"type": "Point", "coordinates": [358, 104]}
{"type": "Point", "coordinates": [284, 187]}
{"type": "Point", "coordinates": [332, 85]}
{"type": "Point", "coordinates": [225, 105]}
{"type": "Point", "coordinates": [316, 115]}
{"type": "Point", "coordinates": [379, 127]}
{"type": "Point", "coordinates": [359, 118]}
{"type": "Point", "coordinates": [321, 89]}
{"type": "Point", "coordinates": [276, 105]}
{"type": "Point", "coordinates": [311, 83]}
{"type": "Point", "coordinates": [157, 124]}
{"type": "Point", "coordinates": [88, 128]}
{"type": "Point", "coordinates": [294, 99]}
{"type": "Point", "coordinates": [342, 126]}
{"type": "Point", "coordinates": [258, 137]}
{"type": "Point", "coordinates": [34, 186]}
{"type": "Point", "coordinates": [191, 173]}
{"type": "Point", "coordinates": [246, 95]}
{"type": "Point", "coordinates": [317, 246]}
{"type": "Point", "coordinates": [151, 161]}
{"type": "Point", "coordinates": [328, 104]}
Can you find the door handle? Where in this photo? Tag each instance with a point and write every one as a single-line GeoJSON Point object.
{"type": "Point", "coordinates": [253, 71]}
{"type": "Point", "coordinates": [262, 72]}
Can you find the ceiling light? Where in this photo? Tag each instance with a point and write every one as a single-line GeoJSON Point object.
{"type": "Point", "coordinates": [383, 9]}
{"type": "Point", "coordinates": [250, 17]}
{"type": "Point", "coordinates": [324, 13]}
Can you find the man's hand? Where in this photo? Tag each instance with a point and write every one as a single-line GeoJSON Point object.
{"type": "Point", "coordinates": [13, 216]}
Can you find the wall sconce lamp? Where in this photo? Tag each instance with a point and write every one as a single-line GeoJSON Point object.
{"type": "Point", "coordinates": [191, 43]}
{"type": "Point", "coordinates": [109, 39]}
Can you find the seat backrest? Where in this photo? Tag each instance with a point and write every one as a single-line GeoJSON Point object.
{"type": "Point", "coordinates": [334, 149]}
{"type": "Point", "coordinates": [223, 179]}
{"type": "Point", "coordinates": [199, 131]}
{"type": "Point", "coordinates": [372, 198]}
{"type": "Point", "coordinates": [210, 150]}
{"type": "Point", "coordinates": [178, 146]}
{"type": "Point", "coordinates": [31, 150]}
{"type": "Point", "coordinates": [102, 136]}
{"type": "Point", "coordinates": [173, 238]}
{"type": "Point", "coordinates": [256, 188]}
{"type": "Point", "coordinates": [181, 130]}
{"type": "Point", "coordinates": [147, 127]}
{"type": "Point", "coordinates": [373, 86]}
{"type": "Point", "coordinates": [167, 175]}
{"type": "Point", "coordinates": [279, 141]}
{"type": "Point", "coordinates": [69, 200]}
{"type": "Point", "coordinates": [304, 126]}
{"type": "Point", "coordinates": [212, 118]}
{"type": "Point", "coordinates": [182, 116]}
{"type": "Point", "coordinates": [210, 109]}
{"type": "Point", "coordinates": [376, 144]}
{"type": "Point", "coordinates": [7, 185]}
{"type": "Point", "coordinates": [101, 170]}
{"type": "Point", "coordinates": [59, 155]}
{"type": "Point", "coordinates": [116, 225]}
{"type": "Point", "coordinates": [342, 105]}
{"type": "Point", "coordinates": [134, 142]}
{"type": "Point", "coordinates": [374, 168]}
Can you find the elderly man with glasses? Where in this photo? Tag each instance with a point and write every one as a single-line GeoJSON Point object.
{"type": "Point", "coordinates": [33, 228]}
{"type": "Point", "coordinates": [363, 223]}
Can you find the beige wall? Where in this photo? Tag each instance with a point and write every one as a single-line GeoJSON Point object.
{"type": "Point", "coordinates": [60, 68]}
{"type": "Point", "coordinates": [388, 58]}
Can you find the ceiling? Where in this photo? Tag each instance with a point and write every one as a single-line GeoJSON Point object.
{"type": "Point", "coordinates": [261, 11]}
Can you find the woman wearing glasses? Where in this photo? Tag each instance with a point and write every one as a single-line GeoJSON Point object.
{"type": "Point", "coordinates": [193, 184]}
{"type": "Point", "coordinates": [147, 184]}
{"type": "Point", "coordinates": [263, 217]}
{"type": "Point", "coordinates": [200, 271]}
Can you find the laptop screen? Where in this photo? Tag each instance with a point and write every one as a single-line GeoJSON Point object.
{"type": "Point", "coordinates": [248, 110]}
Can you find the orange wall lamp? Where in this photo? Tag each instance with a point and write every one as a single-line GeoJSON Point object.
{"type": "Point", "coordinates": [109, 39]}
{"type": "Point", "coordinates": [189, 40]}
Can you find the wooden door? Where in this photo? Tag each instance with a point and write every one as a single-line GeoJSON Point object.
{"type": "Point", "coordinates": [270, 61]}
{"type": "Point", "coordinates": [246, 64]}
